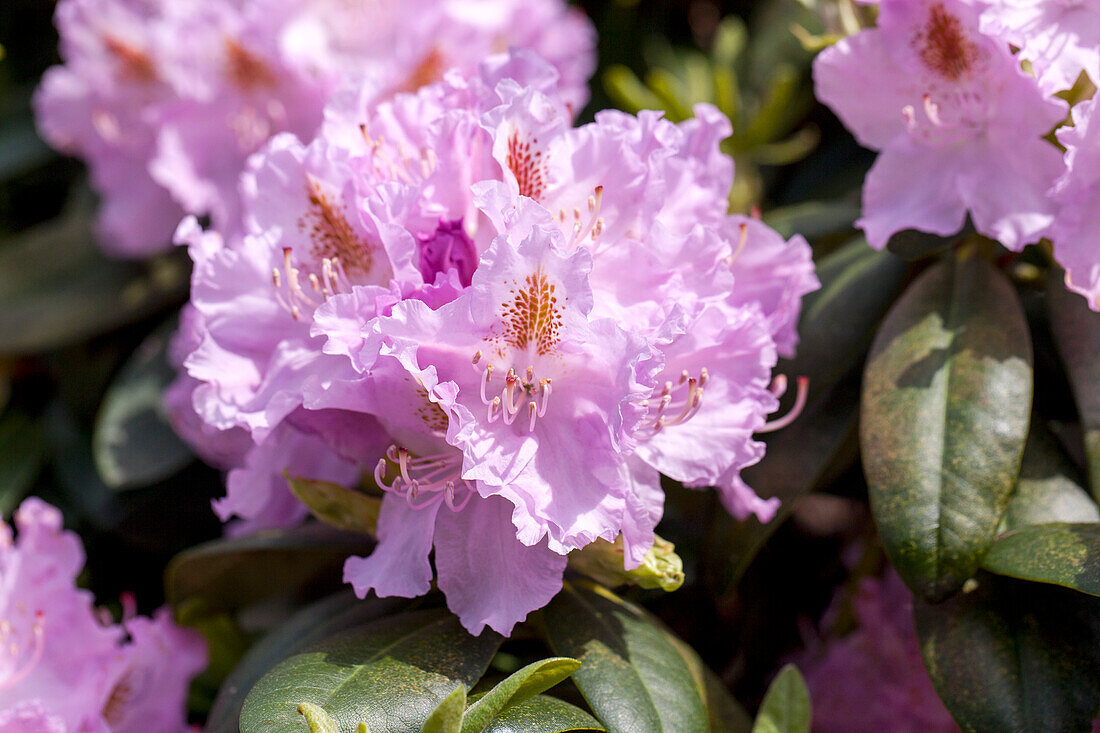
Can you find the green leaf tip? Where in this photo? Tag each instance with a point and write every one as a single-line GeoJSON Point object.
{"type": "Point", "coordinates": [319, 721]}
{"type": "Point", "coordinates": [337, 505]}
{"type": "Point", "coordinates": [786, 706]}
{"type": "Point", "coordinates": [603, 561]}
{"type": "Point", "coordinates": [448, 715]}
{"type": "Point", "coordinates": [518, 687]}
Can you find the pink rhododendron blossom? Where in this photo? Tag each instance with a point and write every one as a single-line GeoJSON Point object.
{"type": "Point", "coordinates": [874, 678]}
{"type": "Point", "coordinates": [1061, 38]}
{"type": "Point", "coordinates": [62, 669]}
{"type": "Point", "coordinates": [351, 215]}
{"type": "Point", "coordinates": [958, 124]}
{"type": "Point", "coordinates": [518, 324]}
{"type": "Point", "coordinates": [166, 99]}
{"type": "Point", "coordinates": [1076, 228]}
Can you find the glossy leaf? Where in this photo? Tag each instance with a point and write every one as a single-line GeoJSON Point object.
{"type": "Point", "coordinates": [1060, 553]}
{"type": "Point", "coordinates": [543, 714]}
{"type": "Point", "coordinates": [133, 442]}
{"type": "Point", "coordinates": [308, 627]}
{"type": "Point", "coordinates": [390, 674]}
{"type": "Point", "coordinates": [337, 505]}
{"type": "Point", "coordinates": [531, 680]}
{"type": "Point", "coordinates": [1014, 656]}
{"type": "Point", "coordinates": [448, 715]}
{"type": "Point", "coordinates": [56, 288]}
{"type": "Point", "coordinates": [233, 571]}
{"type": "Point", "coordinates": [22, 451]}
{"type": "Point", "coordinates": [1049, 488]}
{"type": "Point", "coordinates": [724, 713]}
{"type": "Point", "coordinates": [786, 705]}
{"type": "Point", "coordinates": [633, 678]}
{"type": "Point", "coordinates": [946, 402]}
{"type": "Point", "coordinates": [1076, 331]}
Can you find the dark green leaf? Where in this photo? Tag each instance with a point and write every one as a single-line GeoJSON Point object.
{"type": "Point", "coordinates": [390, 674]}
{"type": "Point", "coordinates": [838, 320]}
{"type": "Point", "coordinates": [1076, 331]}
{"type": "Point", "coordinates": [72, 463]}
{"type": "Point", "coordinates": [308, 627]}
{"type": "Point", "coordinates": [448, 715]}
{"type": "Point", "coordinates": [813, 219]}
{"type": "Point", "coordinates": [913, 244]}
{"type": "Point", "coordinates": [231, 572]}
{"type": "Point", "coordinates": [531, 680]}
{"type": "Point", "coordinates": [786, 706]}
{"type": "Point", "coordinates": [22, 451]}
{"type": "Point", "coordinates": [1014, 656]}
{"type": "Point", "coordinates": [1049, 488]}
{"type": "Point", "coordinates": [944, 419]}
{"type": "Point", "coordinates": [337, 505]}
{"type": "Point", "coordinates": [56, 288]}
{"type": "Point", "coordinates": [1060, 553]}
{"type": "Point", "coordinates": [133, 443]}
{"type": "Point", "coordinates": [542, 714]}
{"type": "Point", "coordinates": [633, 678]}
{"type": "Point", "coordinates": [724, 713]}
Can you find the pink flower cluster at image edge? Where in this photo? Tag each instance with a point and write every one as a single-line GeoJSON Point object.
{"type": "Point", "coordinates": [63, 668]}
{"type": "Point", "coordinates": [166, 99]}
{"type": "Point", "coordinates": [959, 124]}
{"type": "Point", "coordinates": [514, 324]}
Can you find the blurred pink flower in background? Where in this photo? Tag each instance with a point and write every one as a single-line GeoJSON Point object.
{"type": "Point", "coordinates": [63, 669]}
{"type": "Point", "coordinates": [166, 99]}
{"type": "Point", "coordinates": [874, 678]}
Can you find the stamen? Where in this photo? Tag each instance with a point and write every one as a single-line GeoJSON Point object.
{"type": "Point", "coordinates": [742, 240]}
{"type": "Point", "coordinates": [693, 400]}
{"type": "Point", "coordinates": [796, 409]}
{"type": "Point", "coordinates": [432, 478]}
{"type": "Point", "coordinates": [932, 110]}
{"type": "Point", "coordinates": [580, 231]}
{"type": "Point", "coordinates": [515, 392]}
{"type": "Point", "coordinates": [294, 296]}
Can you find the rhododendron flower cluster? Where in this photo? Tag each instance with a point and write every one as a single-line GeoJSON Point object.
{"type": "Point", "coordinates": [513, 325]}
{"type": "Point", "coordinates": [873, 678]}
{"type": "Point", "coordinates": [960, 123]}
{"type": "Point", "coordinates": [63, 668]}
{"type": "Point", "coordinates": [166, 99]}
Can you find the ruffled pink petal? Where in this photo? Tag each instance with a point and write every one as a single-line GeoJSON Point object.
{"type": "Point", "coordinates": [489, 577]}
